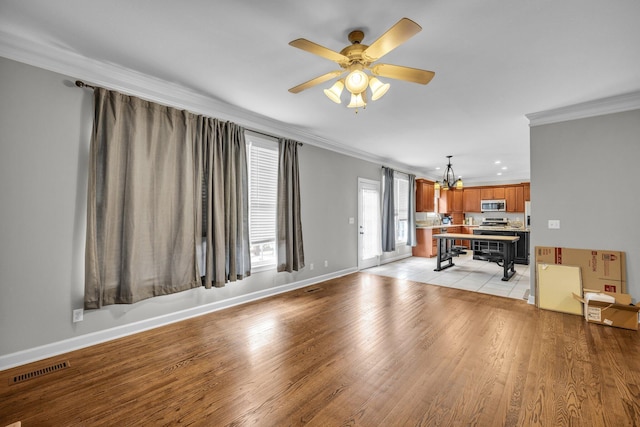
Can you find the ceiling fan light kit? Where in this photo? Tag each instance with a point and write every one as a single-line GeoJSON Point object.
{"type": "Point", "coordinates": [357, 59]}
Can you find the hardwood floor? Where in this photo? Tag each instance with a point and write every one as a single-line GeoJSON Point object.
{"type": "Point", "coordinates": [361, 350]}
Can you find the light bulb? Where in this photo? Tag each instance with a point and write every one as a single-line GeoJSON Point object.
{"type": "Point", "coordinates": [357, 81]}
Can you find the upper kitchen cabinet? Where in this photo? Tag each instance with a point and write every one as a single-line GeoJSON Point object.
{"type": "Point", "coordinates": [526, 187]}
{"type": "Point", "coordinates": [458, 201]}
{"type": "Point", "coordinates": [486, 193]}
{"type": "Point", "coordinates": [450, 201]}
{"type": "Point", "coordinates": [442, 204]}
{"type": "Point", "coordinates": [471, 199]}
{"type": "Point", "coordinates": [424, 196]}
{"type": "Point", "coordinates": [514, 196]}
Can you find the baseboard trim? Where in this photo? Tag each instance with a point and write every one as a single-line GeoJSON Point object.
{"type": "Point", "coordinates": [532, 300]}
{"type": "Point", "coordinates": [35, 354]}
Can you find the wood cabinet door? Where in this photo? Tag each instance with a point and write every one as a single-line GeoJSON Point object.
{"type": "Point", "coordinates": [499, 193]}
{"type": "Point", "coordinates": [458, 206]}
{"type": "Point", "coordinates": [514, 197]}
{"type": "Point", "coordinates": [486, 193]}
{"type": "Point", "coordinates": [424, 196]}
{"type": "Point", "coordinates": [526, 188]}
{"type": "Point", "coordinates": [520, 198]}
{"type": "Point", "coordinates": [443, 201]}
{"type": "Point", "coordinates": [471, 200]}
{"type": "Point", "coordinates": [427, 197]}
{"type": "Point", "coordinates": [510, 198]}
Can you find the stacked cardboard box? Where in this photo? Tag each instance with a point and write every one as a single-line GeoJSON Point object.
{"type": "Point", "coordinates": [602, 273]}
{"type": "Point", "coordinates": [600, 270]}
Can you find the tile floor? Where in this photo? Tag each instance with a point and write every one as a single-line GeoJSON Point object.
{"type": "Point", "coordinates": [468, 274]}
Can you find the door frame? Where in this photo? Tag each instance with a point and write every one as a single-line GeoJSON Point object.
{"type": "Point", "coordinates": [374, 261]}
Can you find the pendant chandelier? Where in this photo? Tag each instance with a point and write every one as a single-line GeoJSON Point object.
{"type": "Point", "coordinates": [449, 181]}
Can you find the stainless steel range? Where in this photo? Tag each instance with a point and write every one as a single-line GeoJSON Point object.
{"type": "Point", "coordinates": [500, 227]}
{"type": "Point", "coordinates": [493, 224]}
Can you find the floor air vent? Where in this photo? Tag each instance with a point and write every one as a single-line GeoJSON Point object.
{"type": "Point", "coordinates": [312, 290]}
{"type": "Point", "coordinates": [39, 372]}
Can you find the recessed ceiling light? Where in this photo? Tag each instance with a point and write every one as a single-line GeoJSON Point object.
{"type": "Point", "coordinates": [497, 162]}
{"type": "Point", "coordinates": [499, 173]}
{"type": "Point", "coordinates": [504, 168]}
{"type": "Point", "coordinates": [438, 168]}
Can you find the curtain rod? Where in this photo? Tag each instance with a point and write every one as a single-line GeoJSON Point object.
{"type": "Point", "coordinates": [82, 84]}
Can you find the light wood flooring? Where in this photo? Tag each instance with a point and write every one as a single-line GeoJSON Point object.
{"type": "Point", "coordinates": [360, 350]}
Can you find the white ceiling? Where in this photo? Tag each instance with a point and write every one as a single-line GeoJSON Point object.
{"type": "Point", "coordinates": [495, 61]}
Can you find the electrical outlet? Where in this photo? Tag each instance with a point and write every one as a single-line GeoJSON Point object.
{"type": "Point", "coordinates": [326, 263]}
{"type": "Point", "coordinates": [554, 224]}
{"type": "Point", "coordinates": [311, 266]}
{"type": "Point", "coordinates": [78, 315]}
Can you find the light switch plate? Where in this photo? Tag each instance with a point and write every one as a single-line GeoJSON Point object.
{"type": "Point", "coordinates": [554, 224]}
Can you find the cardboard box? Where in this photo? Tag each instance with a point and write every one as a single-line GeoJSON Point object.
{"type": "Point", "coordinates": [555, 286]}
{"type": "Point", "coordinates": [600, 270]}
{"type": "Point", "coordinates": [599, 309]}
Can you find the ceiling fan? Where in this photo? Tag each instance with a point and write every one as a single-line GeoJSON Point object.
{"type": "Point", "coordinates": [358, 58]}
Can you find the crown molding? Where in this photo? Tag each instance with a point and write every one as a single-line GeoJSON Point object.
{"type": "Point", "coordinates": [613, 104]}
{"type": "Point", "coordinates": [131, 82]}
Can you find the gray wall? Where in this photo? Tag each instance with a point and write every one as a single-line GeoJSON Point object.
{"type": "Point", "coordinates": [45, 123]}
{"type": "Point", "coordinates": [586, 173]}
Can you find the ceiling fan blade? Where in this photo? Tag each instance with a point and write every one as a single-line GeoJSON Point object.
{"type": "Point", "coordinates": [402, 31]}
{"type": "Point", "coordinates": [321, 79]}
{"type": "Point", "coordinates": [399, 72]}
{"type": "Point", "coordinates": [316, 49]}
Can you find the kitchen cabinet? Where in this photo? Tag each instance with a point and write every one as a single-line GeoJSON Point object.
{"type": "Point", "coordinates": [458, 206]}
{"type": "Point", "coordinates": [471, 200]}
{"type": "Point", "coordinates": [426, 246]}
{"type": "Point", "coordinates": [424, 196]}
{"type": "Point", "coordinates": [526, 189]}
{"type": "Point", "coordinates": [514, 196]}
{"type": "Point", "coordinates": [498, 193]}
{"type": "Point", "coordinates": [519, 199]}
{"type": "Point", "coordinates": [443, 204]}
{"type": "Point", "coordinates": [486, 193]}
{"type": "Point", "coordinates": [451, 201]}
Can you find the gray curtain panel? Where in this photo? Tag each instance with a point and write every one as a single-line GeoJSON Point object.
{"type": "Point", "coordinates": [411, 223]}
{"type": "Point", "coordinates": [161, 182]}
{"type": "Point", "coordinates": [290, 245]}
{"type": "Point", "coordinates": [388, 211]}
{"type": "Point", "coordinates": [226, 209]}
{"type": "Point", "coordinates": [142, 202]}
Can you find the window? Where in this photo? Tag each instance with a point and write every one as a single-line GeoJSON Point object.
{"type": "Point", "coordinates": [262, 163]}
{"type": "Point", "coordinates": [401, 203]}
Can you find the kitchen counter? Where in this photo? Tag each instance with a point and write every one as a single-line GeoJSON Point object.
{"type": "Point", "coordinates": [504, 228]}
{"type": "Point", "coordinates": [444, 226]}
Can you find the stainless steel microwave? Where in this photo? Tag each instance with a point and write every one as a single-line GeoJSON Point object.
{"type": "Point", "coordinates": [493, 205]}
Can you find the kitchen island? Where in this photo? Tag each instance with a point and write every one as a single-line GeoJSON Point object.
{"type": "Point", "coordinates": [498, 249]}
{"type": "Point", "coordinates": [427, 245]}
